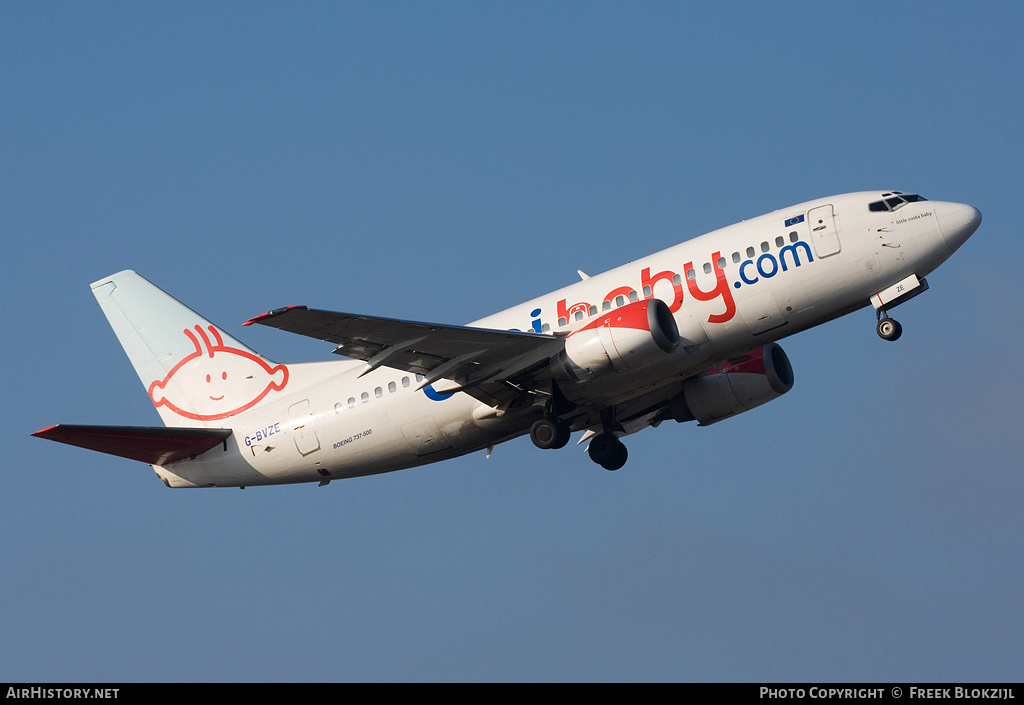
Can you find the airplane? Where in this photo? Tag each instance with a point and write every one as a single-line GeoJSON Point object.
{"type": "Point", "coordinates": [687, 334]}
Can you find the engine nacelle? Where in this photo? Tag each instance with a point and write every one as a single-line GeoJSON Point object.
{"type": "Point", "coordinates": [734, 386]}
{"type": "Point", "coordinates": [630, 337]}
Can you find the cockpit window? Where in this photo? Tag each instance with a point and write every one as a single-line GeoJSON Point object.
{"type": "Point", "coordinates": [894, 201]}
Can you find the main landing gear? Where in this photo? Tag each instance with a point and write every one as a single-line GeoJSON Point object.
{"type": "Point", "coordinates": [549, 432]}
{"type": "Point", "coordinates": [888, 328]}
{"type": "Point", "coordinates": [607, 451]}
{"type": "Point", "coordinates": [605, 448]}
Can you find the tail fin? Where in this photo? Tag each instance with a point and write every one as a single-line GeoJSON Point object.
{"type": "Point", "coordinates": [192, 370]}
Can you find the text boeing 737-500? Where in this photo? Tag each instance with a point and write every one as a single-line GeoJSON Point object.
{"type": "Point", "coordinates": [687, 334]}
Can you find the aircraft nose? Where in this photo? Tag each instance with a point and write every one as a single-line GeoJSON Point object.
{"type": "Point", "coordinates": [957, 221]}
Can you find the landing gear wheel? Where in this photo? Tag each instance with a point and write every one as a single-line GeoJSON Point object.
{"type": "Point", "coordinates": [608, 451]}
{"type": "Point", "coordinates": [888, 329]}
{"type": "Point", "coordinates": [550, 433]}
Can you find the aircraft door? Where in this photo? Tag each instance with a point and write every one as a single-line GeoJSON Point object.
{"type": "Point", "coordinates": [824, 234]}
{"type": "Point", "coordinates": [302, 427]}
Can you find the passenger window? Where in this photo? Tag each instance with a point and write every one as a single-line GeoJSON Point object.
{"type": "Point", "coordinates": [620, 300]}
{"type": "Point", "coordinates": [378, 392]}
{"type": "Point", "coordinates": [562, 321]}
{"type": "Point", "coordinates": [579, 316]}
{"type": "Point", "coordinates": [707, 268]}
{"type": "Point", "coordinates": [392, 387]}
{"type": "Point", "coordinates": [351, 402]}
{"type": "Point", "coordinates": [780, 241]}
{"type": "Point", "coordinates": [339, 407]}
{"type": "Point", "coordinates": [405, 381]}
{"type": "Point", "coordinates": [606, 305]}
{"type": "Point", "coordinates": [736, 257]}
{"type": "Point", "coordinates": [365, 396]}
{"type": "Point", "coordinates": [750, 253]}
{"type": "Point", "coordinates": [765, 247]}
{"type": "Point", "coordinates": [633, 296]}
{"type": "Point", "coordinates": [793, 237]}
{"type": "Point", "coordinates": [721, 262]}
{"type": "Point", "coordinates": [592, 310]}
{"type": "Point", "coordinates": [647, 291]}
{"type": "Point", "coordinates": [690, 274]}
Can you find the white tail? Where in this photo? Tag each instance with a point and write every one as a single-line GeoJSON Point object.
{"type": "Point", "coordinates": [192, 370]}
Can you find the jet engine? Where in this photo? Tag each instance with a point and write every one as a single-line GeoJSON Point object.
{"type": "Point", "coordinates": [629, 337]}
{"type": "Point", "coordinates": [734, 385]}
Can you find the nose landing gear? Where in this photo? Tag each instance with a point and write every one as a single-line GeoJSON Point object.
{"type": "Point", "coordinates": [888, 328]}
{"type": "Point", "coordinates": [899, 293]}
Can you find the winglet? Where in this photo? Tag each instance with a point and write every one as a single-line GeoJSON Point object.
{"type": "Point", "coordinates": [270, 314]}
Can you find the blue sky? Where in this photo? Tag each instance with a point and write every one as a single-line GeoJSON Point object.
{"type": "Point", "coordinates": [442, 161]}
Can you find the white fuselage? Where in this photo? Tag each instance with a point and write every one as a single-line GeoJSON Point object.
{"type": "Point", "coordinates": [729, 291]}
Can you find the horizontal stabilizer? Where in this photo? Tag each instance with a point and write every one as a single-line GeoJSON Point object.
{"type": "Point", "coordinates": [155, 445]}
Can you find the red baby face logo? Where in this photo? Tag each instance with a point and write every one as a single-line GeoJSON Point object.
{"type": "Point", "coordinates": [216, 382]}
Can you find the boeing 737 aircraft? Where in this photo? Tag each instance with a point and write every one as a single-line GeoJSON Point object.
{"type": "Point", "coordinates": [687, 334]}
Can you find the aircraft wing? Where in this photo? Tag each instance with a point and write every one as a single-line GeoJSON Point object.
{"type": "Point", "coordinates": [156, 445]}
{"type": "Point", "coordinates": [496, 366]}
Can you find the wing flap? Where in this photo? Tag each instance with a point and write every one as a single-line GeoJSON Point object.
{"type": "Point", "coordinates": [155, 445]}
